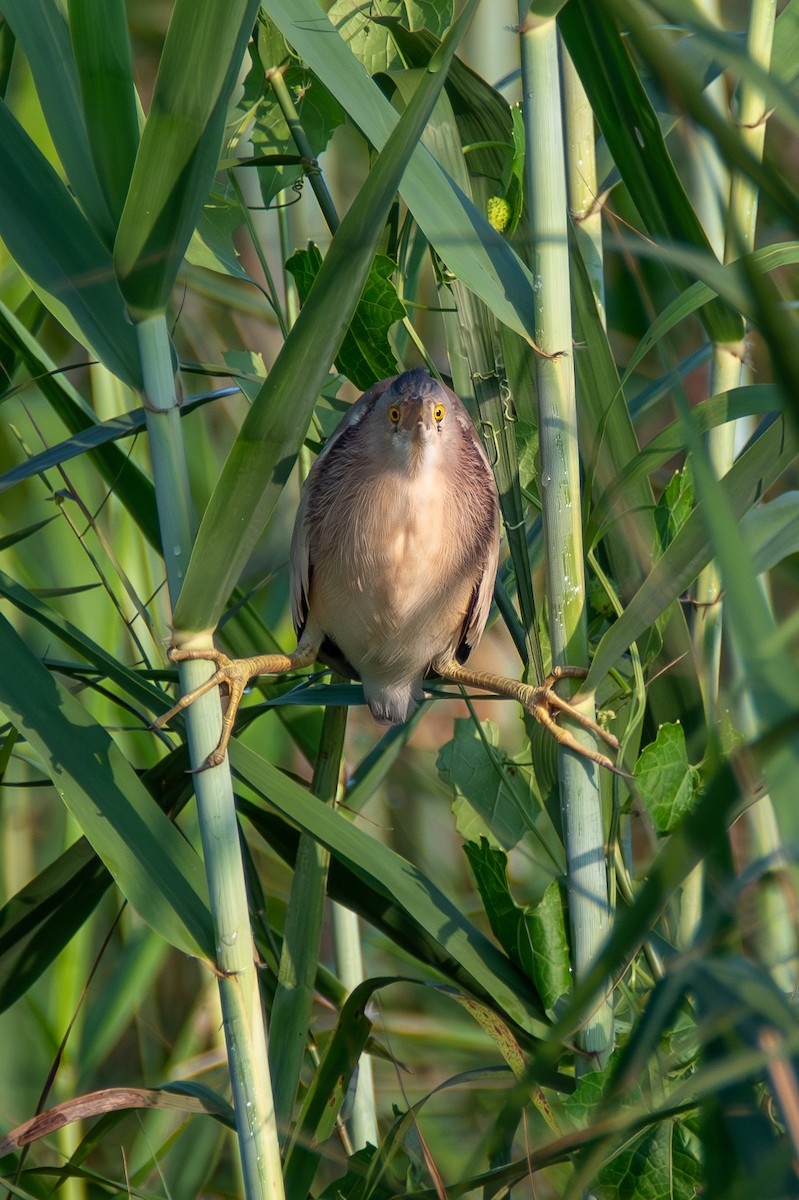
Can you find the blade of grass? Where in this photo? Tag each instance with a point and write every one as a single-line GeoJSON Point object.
{"type": "Point", "coordinates": [155, 867]}
{"type": "Point", "coordinates": [401, 883]}
{"type": "Point", "coordinates": [180, 145]}
{"type": "Point", "coordinates": [101, 47]}
{"type": "Point", "coordinates": [43, 34]}
{"type": "Point", "coordinates": [629, 123]}
{"type": "Point", "coordinates": [54, 244]}
{"type": "Point", "coordinates": [743, 485]}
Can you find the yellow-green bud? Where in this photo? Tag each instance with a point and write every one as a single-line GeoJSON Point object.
{"type": "Point", "coordinates": [498, 212]}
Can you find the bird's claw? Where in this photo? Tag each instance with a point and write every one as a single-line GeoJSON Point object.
{"type": "Point", "coordinates": [232, 674]}
{"type": "Point", "coordinates": [544, 703]}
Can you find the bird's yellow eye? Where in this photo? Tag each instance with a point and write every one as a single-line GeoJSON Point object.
{"type": "Point", "coordinates": [394, 415]}
{"type": "Point", "coordinates": [438, 412]}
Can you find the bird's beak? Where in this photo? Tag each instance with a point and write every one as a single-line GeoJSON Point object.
{"type": "Point", "coordinates": [416, 418]}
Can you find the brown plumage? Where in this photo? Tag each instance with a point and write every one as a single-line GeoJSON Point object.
{"type": "Point", "coordinates": [396, 542]}
{"type": "Point", "coordinates": [393, 561]}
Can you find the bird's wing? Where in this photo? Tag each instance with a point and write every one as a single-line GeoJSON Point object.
{"type": "Point", "coordinates": [477, 614]}
{"type": "Point", "coordinates": [300, 562]}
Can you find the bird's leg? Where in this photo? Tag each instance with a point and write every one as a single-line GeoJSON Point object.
{"type": "Point", "coordinates": [233, 674]}
{"type": "Point", "coordinates": [542, 702]}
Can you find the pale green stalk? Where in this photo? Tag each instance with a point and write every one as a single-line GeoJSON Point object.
{"type": "Point", "coordinates": [776, 934]}
{"type": "Point", "coordinates": [581, 809]}
{"type": "Point", "coordinates": [245, 1033]}
{"type": "Point", "coordinates": [711, 187]}
{"type": "Point", "coordinates": [581, 180]}
{"type": "Point", "coordinates": [291, 1008]}
{"type": "Point", "coordinates": [362, 1122]}
{"type": "Point", "coordinates": [776, 939]}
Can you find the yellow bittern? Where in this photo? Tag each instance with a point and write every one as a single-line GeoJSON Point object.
{"type": "Point", "coordinates": [393, 561]}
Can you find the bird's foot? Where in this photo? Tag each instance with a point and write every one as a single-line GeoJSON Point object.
{"type": "Point", "coordinates": [233, 675]}
{"type": "Point", "coordinates": [544, 703]}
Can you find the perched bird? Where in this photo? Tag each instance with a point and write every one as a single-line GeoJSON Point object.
{"type": "Point", "coordinates": [393, 561]}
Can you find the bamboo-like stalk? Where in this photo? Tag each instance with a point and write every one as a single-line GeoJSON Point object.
{"type": "Point", "coordinates": [245, 1032]}
{"type": "Point", "coordinates": [545, 181]}
{"type": "Point", "coordinates": [581, 180]}
{"type": "Point", "coordinates": [350, 970]}
{"type": "Point", "coordinates": [776, 937]}
{"type": "Point", "coordinates": [291, 1008]}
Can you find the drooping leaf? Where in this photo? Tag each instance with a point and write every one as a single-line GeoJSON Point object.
{"type": "Point", "coordinates": [534, 936]}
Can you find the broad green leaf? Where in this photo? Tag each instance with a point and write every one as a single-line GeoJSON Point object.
{"type": "Point", "coordinates": [401, 882]}
{"type": "Point", "coordinates": [319, 112]}
{"type": "Point", "coordinates": [533, 936]}
{"type": "Point", "coordinates": [667, 782]}
{"type": "Point", "coordinates": [664, 1161]}
{"type": "Point", "coordinates": [493, 799]}
{"type": "Point", "coordinates": [212, 245]}
{"type": "Point", "coordinates": [365, 355]}
{"type": "Point", "coordinates": [54, 244]}
{"type": "Point", "coordinates": [152, 863]}
{"type": "Point", "coordinates": [180, 145]}
{"type": "Point", "coordinates": [743, 485]}
{"type": "Point", "coordinates": [368, 33]}
{"type": "Point", "coordinates": [261, 459]}
{"type": "Point", "coordinates": [629, 123]}
{"type": "Point", "coordinates": [461, 235]}
{"type": "Point", "coordinates": [102, 54]}
{"type": "Point", "coordinates": [44, 36]}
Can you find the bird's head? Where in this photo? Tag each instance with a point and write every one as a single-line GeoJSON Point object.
{"type": "Point", "coordinates": [414, 421]}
